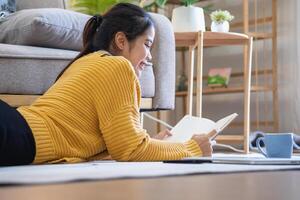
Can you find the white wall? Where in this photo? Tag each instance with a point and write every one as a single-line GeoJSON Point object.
{"type": "Point", "coordinates": [288, 64]}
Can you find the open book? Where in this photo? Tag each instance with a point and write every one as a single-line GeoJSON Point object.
{"type": "Point", "coordinates": [190, 125]}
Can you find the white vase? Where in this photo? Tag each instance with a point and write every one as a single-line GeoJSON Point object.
{"type": "Point", "coordinates": [188, 19]}
{"type": "Point", "coordinates": [219, 27]}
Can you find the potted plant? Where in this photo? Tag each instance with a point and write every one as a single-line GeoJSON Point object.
{"type": "Point", "coordinates": [150, 5]}
{"type": "Point", "coordinates": [220, 20]}
{"type": "Point", "coordinates": [92, 7]}
{"type": "Point", "coordinates": [188, 18]}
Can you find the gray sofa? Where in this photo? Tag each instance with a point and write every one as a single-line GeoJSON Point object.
{"type": "Point", "coordinates": [27, 70]}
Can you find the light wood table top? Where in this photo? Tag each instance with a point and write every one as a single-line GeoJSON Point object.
{"type": "Point", "coordinates": [278, 185]}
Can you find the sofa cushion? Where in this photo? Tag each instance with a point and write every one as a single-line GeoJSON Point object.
{"type": "Point", "coordinates": [45, 27]}
{"type": "Point", "coordinates": [7, 7]}
{"type": "Point", "coordinates": [32, 70]}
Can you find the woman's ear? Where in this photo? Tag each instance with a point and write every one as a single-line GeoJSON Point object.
{"type": "Point", "coordinates": [120, 41]}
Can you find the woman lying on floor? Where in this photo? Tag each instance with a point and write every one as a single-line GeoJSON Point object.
{"type": "Point", "coordinates": [92, 110]}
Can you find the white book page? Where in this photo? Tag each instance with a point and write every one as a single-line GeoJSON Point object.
{"type": "Point", "coordinates": [188, 126]}
{"type": "Point", "coordinates": [223, 123]}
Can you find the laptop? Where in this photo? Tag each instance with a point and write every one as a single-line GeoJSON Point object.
{"type": "Point", "coordinates": [239, 159]}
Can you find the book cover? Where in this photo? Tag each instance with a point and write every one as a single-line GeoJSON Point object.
{"type": "Point", "coordinates": [218, 77]}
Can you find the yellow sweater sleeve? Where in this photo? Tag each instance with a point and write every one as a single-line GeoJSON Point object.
{"type": "Point", "coordinates": [127, 141]}
{"type": "Point", "coordinates": [119, 121]}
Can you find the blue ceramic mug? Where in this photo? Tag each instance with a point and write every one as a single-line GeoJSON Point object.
{"type": "Point", "coordinates": [277, 145]}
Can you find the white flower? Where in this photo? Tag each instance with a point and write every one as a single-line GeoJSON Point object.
{"type": "Point", "coordinates": [219, 16]}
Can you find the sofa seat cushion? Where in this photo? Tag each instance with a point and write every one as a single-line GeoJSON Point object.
{"type": "Point", "coordinates": [22, 51]}
{"type": "Point", "coordinates": [44, 27]}
{"type": "Point", "coordinates": [32, 70]}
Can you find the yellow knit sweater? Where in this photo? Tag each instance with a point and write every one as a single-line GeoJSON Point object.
{"type": "Point", "coordinates": [93, 111]}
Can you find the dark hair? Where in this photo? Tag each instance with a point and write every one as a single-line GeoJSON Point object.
{"type": "Point", "coordinates": [99, 31]}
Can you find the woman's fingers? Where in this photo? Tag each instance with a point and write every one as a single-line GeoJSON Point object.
{"type": "Point", "coordinates": [201, 138]}
{"type": "Point", "coordinates": [168, 132]}
{"type": "Point", "coordinates": [163, 134]}
{"type": "Point", "coordinates": [206, 149]}
{"type": "Point", "coordinates": [204, 143]}
{"type": "Point", "coordinates": [212, 134]}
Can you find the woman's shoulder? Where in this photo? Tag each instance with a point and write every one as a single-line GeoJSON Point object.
{"type": "Point", "coordinates": [116, 64]}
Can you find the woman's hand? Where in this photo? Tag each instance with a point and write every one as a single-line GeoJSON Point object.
{"type": "Point", "coordinates": [162, 135]}
{"type": "Point", "coordinates": [204, 142]}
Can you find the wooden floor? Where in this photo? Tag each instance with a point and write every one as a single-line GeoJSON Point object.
{"type": "Point", "coordinates": [278, 185]}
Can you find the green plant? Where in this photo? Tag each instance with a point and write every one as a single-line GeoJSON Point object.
{"type": "Point", "coordinates": [219, 16]}
{"type": "Point", "coordinates": [162, 3]}
{"type": "Point", "coordinates": [188, 2]}
{"type": "Point", "coordinates": [217, 80]}
{"type": "Point", "coordinates": [92, 7]}
{"type": "Point", "coordinates": [149, 4]}
{"type": "Point", "coordinates": [181, 83]}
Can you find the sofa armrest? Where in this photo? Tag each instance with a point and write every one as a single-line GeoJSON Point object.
{"type": "Point", "coordinates": [163, 53]}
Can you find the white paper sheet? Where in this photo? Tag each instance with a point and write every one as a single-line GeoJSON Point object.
{"type": "Point", "coordinates": [56, 173]}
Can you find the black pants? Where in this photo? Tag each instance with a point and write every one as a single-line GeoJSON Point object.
{"type": "Point", "coordinates": [17, 146]}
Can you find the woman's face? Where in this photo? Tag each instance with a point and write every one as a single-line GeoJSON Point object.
{"type": "Point", "coordinates": [138, 50]}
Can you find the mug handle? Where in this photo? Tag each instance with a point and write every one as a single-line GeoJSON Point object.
{"type": "Point", "coordinates": [259, 147]}
{"type": "Point", "coordinates": [295, 145]}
